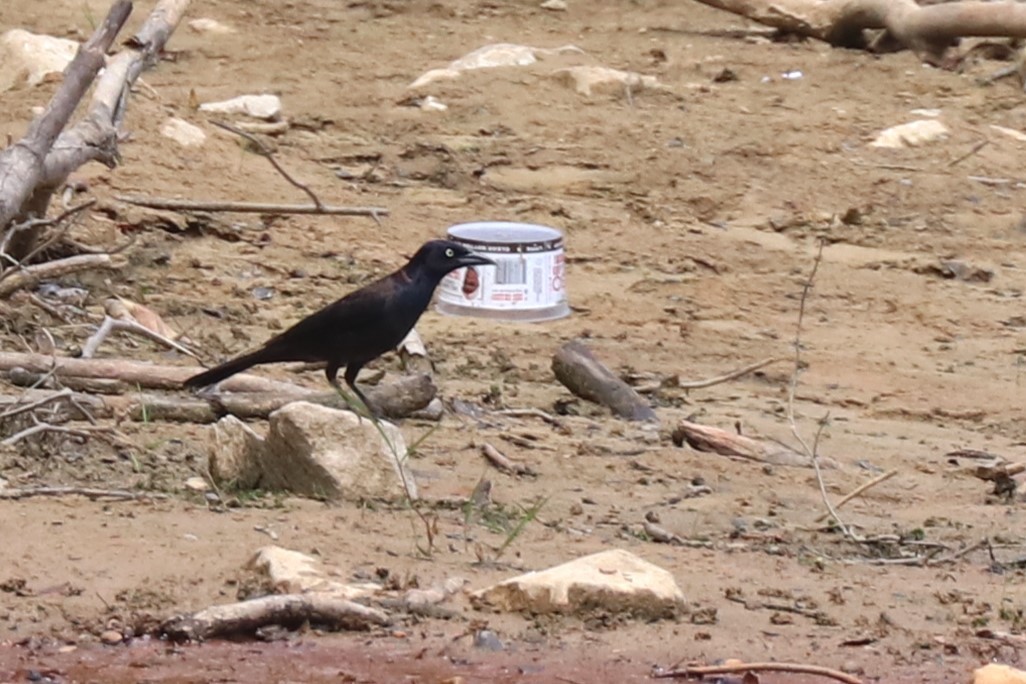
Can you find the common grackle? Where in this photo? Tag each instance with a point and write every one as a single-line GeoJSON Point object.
{"type": "Point", "coordinates": [361, 326]}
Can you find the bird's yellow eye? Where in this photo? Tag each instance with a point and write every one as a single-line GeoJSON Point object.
{"type": "Point", "coordinates": [449, 253]}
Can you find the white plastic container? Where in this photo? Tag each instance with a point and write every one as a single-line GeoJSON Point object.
{"type": "Point", "coordinates": [528, 284]}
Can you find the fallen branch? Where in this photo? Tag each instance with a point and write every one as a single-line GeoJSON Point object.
{"type": "Point", "coordinates": [20, 168]}
{"type": "Point", "coordinates": [927, 30]}
{"type": "Point", "coordinates": [290, 610]}
{"type": "Point", "coordinates": [28, 276]}
{"type": "Point", "coordinates": [397, 400]}
{"type": "Point", "coordinates": [40, 427]}
{"type": "Point", "coordinates": [695, 671]}
{"type": "Point", "coordinates": [50, 398]}
{"type": "Point", "coordinates": [727, 377]}
{"type": "Point", "coordinates": [503, 463]}
{"type": "Point", "coordinates": [251, 207]}
{"type": "Point", "coordinates": [89, 493]}
{"type": "Point", "coordinates": [95, 137]}
{"type": "Point", "coordinates": [138, 373]}
{"type": "Point", "coordinates": [583, 374]}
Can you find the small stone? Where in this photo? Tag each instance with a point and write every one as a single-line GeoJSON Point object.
{"type": "Point", "coordinates": [554, 5]}
{"type": "Point", "coordinates": [183, 132]}
{"type": "Point", "coordinates": [111, 637]}
{"type": "Point", "coordinates": [196, 484]}
{"type": "Point", "coordinates": [911, 134]}
{"type": "Point", "coordinates": [487, 640]}
{"type": "Point", "coordinates": [211, 26]}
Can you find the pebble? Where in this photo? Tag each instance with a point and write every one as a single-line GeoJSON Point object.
{"type": "Point", "coordinates": [554, 5]}
{"type": "Point", "coordinates": [111, 637]}
{"type": "Point", "coordinates": [196, 484]}
{"type": "Point", "coordinates": [487, 640]}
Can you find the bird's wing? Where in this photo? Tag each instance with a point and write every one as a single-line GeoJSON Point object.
{"type": "Point", "coordinates": [353, 327]}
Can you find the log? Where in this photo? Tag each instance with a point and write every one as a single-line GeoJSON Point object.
{"type": "Point", "coordinates": [402, 398]}
{"type": "Point", "coordinates": [289, 610]}
{"type": "Point", "coordinates": [927, 30]}
{"type": "Point", "coordinates": [583, 374]}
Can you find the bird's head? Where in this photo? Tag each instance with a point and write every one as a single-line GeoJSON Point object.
{"type": "Point", "coordinates": [439, 257]}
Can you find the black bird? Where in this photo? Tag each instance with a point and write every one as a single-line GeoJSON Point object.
{"type": "Point", "coordinates": [361, 326]}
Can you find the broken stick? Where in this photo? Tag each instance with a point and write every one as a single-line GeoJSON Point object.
{"type": "Point", "coordinates": [250, 207]}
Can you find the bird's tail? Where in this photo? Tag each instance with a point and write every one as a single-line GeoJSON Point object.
{"type": "Point", "coordinates": [228, 369]}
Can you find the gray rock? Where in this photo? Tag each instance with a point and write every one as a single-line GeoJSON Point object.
{"type": "Point", "coordinates": [318, 451]}
{"type": "Point", "coordinates": [236, 454]}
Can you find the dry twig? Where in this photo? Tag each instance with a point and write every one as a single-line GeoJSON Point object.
{"type": "Point", "coordinates": [110, 325]}
{"type": "Point", "coordinates": [251, 207]}
{"type": "Point", "coordinates": [699, 671]}
{"type": "Point", "coordinates": [861, 489]}
{"type": "Point", "coordinates": [269, 156]}
{"type": "Point", "coordinates": [88, 492]}
{"type": "Point", "coordinates": [727, 377]}
{"type": "Point", "coordinates": [810, 451]}
{"type": "Point", "coordinates": [500, 461]}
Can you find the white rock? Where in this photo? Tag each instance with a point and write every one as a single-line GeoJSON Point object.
{"type": "Point", "coordinates": [1010, 132]}
{"type": "Point", "coordinates": [490, 57]}
{"type": "Point", "coordinates": [433, 104]}
{"type": "Point", "coordinates": [586, 79]}
{"type": "Point", "coordinates": [911, 134]}
{"type": "Point", "coordinates": [257, 106]}
{"type": "Point", "coordinates": [183, 132]}
{"type": "Point", "coordinates": [28, 57]}
{"type": "Point", "coordinates": [211, 26]}
{"type": "Point", "coordinates": [236, 454]}
{"type": "Point", "coordinates": [318, 451]}
{"type": "Point", "coordinates": [196, 484]}
{"type": "Point", "coordinates": [554, 5]}
{"type": "Point", "coordinates": [292, 572]}
{"type": "Point", "coordinates": [998, 674]}
{"type": "Point", "coordinates": [612, 581]}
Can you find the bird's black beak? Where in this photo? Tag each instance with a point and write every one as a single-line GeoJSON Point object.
{"type": "Point", "coordinates": [472, 259]}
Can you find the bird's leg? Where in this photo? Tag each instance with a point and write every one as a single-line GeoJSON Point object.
{"type": "Point", "coordinates": [352, 370]}
{"type": "Point", "coordinates": [332, 372]}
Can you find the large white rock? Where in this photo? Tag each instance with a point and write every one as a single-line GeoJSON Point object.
{"type": "Point", "coordinates": [29, 57]}
{"type": "Point", "coordinates": [998, 674]}
{"type": "Point", "coordinates": [291, 572]}
{"type": "Point", "coordinates": [236, 454]}
{"type": "Point", "coordinates": [257, 106]}
{"type": "Point", "coordinates": [613, 581]}
{"type": "Point", "coordinates": [586, 79]}
{"type": "Point", "coordinates": [911, 134]}
{"type": "Point", "coordinates": [490, 57]}
{"type": "Point", "coordinates": [318, 451]}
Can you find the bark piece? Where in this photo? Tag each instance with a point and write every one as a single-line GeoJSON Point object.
{"type": "Point", "coordinates": [583, 374]}
{"type": "Point", "coordinates": [725, 443]}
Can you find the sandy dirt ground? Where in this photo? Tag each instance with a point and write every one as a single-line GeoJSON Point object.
{"type": "Point", "coordinates": [691, 215]}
